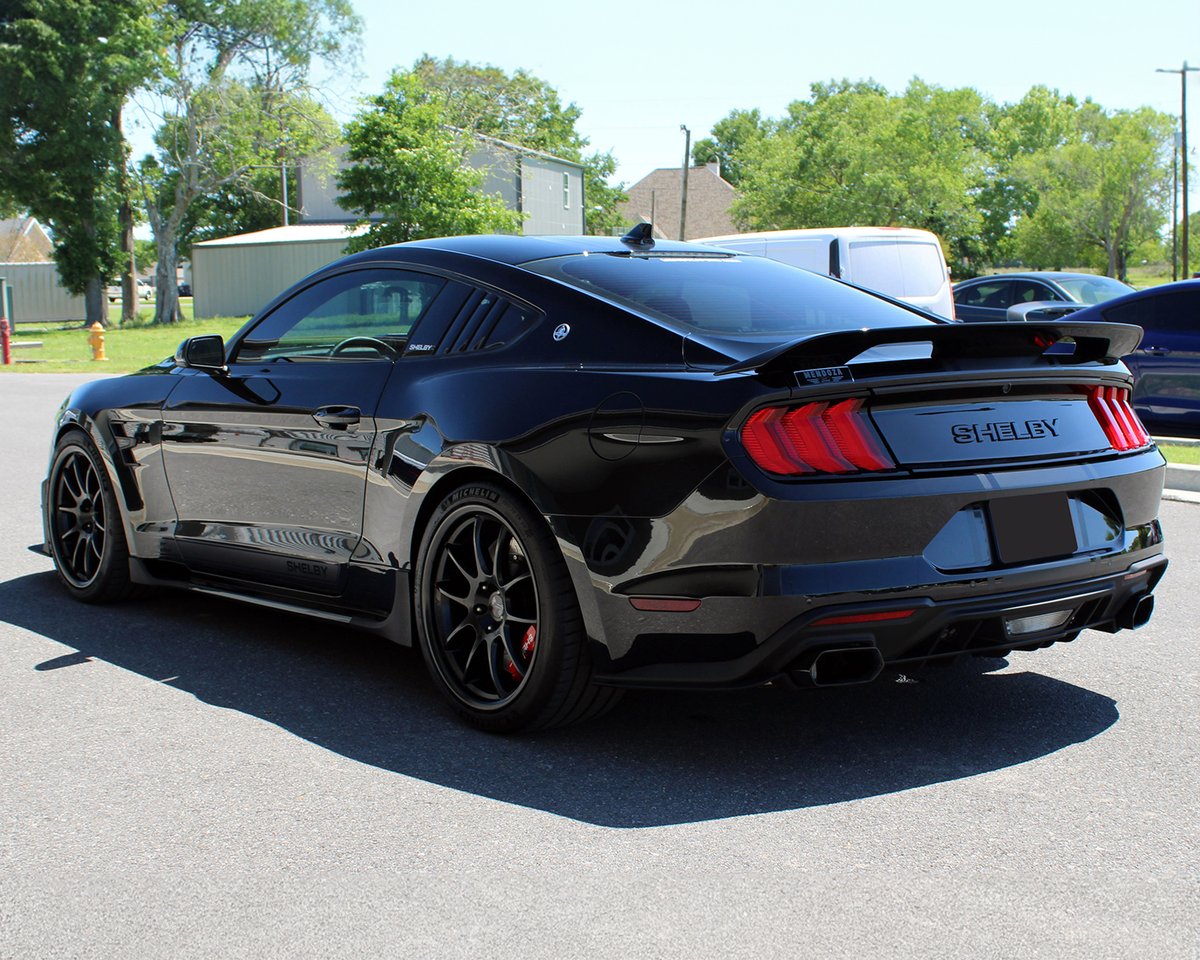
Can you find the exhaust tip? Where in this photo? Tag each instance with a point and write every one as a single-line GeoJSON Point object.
{"type": "Point", "coordinates": [1136, 613]}
{"type": "Point", "coordinates": [846, 665]}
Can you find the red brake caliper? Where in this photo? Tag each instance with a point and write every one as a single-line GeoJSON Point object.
{"type": "Point", "coordinates": [528, 642]}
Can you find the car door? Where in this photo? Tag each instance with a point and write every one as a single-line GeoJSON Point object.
{"type": "Point", "coordinates": [1166, 364]}
{"type": "Point", "coordinates": [987, 300]}
{"type": "Point", "coordinates": [267, 462]}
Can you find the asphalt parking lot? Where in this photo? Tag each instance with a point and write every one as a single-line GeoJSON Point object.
{"type": "Point", "coordinates": [185, 777]}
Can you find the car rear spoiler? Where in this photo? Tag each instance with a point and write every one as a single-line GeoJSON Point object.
{"type": "Point", "coordinates": [1041, 310]}
{"type": "Point", "coordinates": [1092, 341]}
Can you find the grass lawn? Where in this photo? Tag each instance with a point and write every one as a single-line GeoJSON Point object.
{"type": "Point", "coordinates": [65, 349]}
{"type": "Point", "coordinates": [1181, 454]}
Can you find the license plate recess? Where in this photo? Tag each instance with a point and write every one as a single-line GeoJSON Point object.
{"type": "Point", "coordinates": [1037, 527]}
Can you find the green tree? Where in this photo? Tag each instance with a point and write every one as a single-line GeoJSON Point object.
{"type": "Point", "coordinates": [228, 95]}
{"type": "Point", "coordinates": [256, 200]}
{"type": "Point", "coordinates": [523, 109]}
{"type": "Point", "coordinates": [854, 155]}
{"type": "Point", "coordinates": [731, 136]}
{"type": "Point", "coordinates": [1100, 194]}
{"type": "Point", "coordinates": [1042, 120]}
{"type": "Point", "coordinates": [66, 69]}
{"type": "Point", "coordinates": [407, 179]}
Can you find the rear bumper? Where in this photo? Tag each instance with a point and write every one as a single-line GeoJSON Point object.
{"type": "Point", "coordinates": [764, 575]}
{"type": "Point", "coordinates": [937, 627]}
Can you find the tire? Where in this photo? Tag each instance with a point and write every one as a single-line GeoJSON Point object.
{"type": "Point", "coordinates": [497, 618]}
{"type": "Point", "coordinates": [87, 539]}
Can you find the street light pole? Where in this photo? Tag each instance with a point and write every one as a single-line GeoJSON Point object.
{"type": "Point", "coordinates": [1183, 72]}
{"type": "Point", "coordinates": [687, 162]}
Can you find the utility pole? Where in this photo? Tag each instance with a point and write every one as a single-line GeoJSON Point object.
{"type": "Point", "coordinates": [1183, 72]}
{"type": "Point", "coordinates": [687, 162]}
{"type": "Point", "coordinates": [1175, 207]}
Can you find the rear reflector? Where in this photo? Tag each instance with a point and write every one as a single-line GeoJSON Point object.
{"type": "Point", "coordinates": [864, 618]}
{"type": "Point", "coordinates": [1120, 423]}
{"type": "Point", "coordinates": [664, 604]}
{"type": "Point", "coordinates": [815, 438]}
{"type": "Point", "coordinates": [1019, 626]}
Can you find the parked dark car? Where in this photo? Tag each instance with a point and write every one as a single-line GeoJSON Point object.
{"type": "Point", "coordinates": [988, 298]}
{"type": "Point", "coordinates": [566, 466]}
{"type": "Point", "coordinates": [1166, 364]}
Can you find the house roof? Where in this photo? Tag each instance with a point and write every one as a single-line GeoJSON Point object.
{"type": "Point", "coordinates": [22, 240]}
{"type": "Point", "coordinates": [656, 198]}
{"type": "Point", "coordinates": [296, 233]}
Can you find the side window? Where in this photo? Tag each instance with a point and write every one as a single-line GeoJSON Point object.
{"type": "Point", "coordinates": [346, 316]}
{"type": "Point", "coordinates": [1170, 313]}
{"type": "Point", "coordinates": [1027, 291]}
{"type": "Point", "coordinates": [995, 294]}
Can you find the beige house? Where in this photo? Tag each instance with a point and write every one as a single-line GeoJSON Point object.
{"type": "Point", "coordinates": [22, 240]}
{"type": "Point", "coordinates": [656, 199]}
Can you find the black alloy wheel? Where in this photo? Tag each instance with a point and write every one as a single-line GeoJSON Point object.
{"type": "Point", "coordinates": [498, 621]}
{"type": "Point", "coordinates": [84, 525]}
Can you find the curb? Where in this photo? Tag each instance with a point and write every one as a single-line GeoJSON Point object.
{"type": "Point", "coordinates": [1183, 476]}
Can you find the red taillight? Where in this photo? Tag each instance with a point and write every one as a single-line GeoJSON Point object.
{"type": "Point", "coordinates": [880, 617]}
{"type": "Point", "coordinates": [1120, 423]}
{"type": "Point", "coordinates": [815, 438]}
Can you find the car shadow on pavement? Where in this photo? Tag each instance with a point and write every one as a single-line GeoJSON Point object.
{"type": "Point", "coordinates": [657, 759]}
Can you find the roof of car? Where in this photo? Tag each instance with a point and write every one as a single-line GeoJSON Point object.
{"type": "Point", "coordinates": [1176, 286]}
{"type": "Point", "coordinates": [517, 250]}
{"type": "Point", "coordinates": [1032, 275]}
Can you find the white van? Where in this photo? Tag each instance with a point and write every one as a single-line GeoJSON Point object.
{"type": "Point", "coordinates": [903, 263]}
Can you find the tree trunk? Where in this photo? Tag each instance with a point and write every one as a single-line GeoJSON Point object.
{"type": "Point", "coordinates": [166, 291]}
{"type": "Point", "coordinates": [95, 302]}
{"type": "Point", "coordinates": [129, 288]}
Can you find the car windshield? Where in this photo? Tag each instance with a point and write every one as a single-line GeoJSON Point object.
{"type": "Point", "coordinates": [727, 295]}
{"type": "Point", "coordinates": [1093, 289]}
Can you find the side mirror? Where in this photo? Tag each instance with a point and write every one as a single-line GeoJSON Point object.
{"type": "Point", "coordinates": [202, 353]}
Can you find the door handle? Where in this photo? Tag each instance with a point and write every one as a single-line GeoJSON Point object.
{"type": "Point", "coordinates": [1157, 351]}
{"type": "Point", "coordinates": [337, 416]}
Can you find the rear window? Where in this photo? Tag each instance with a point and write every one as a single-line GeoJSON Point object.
{"type": "Point", "coordinates": [897, 268]}
{"type": "Point", "coordinates": [1093, 289]}
{"type": "Point", "coordinates": [727, 296]}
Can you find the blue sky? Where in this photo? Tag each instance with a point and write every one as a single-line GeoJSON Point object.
{"type": "Point", "coordinates": [639, 70]}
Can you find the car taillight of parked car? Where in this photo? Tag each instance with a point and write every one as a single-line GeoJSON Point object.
{"type": "Point", "coordinates": [1121, 424]}
{"type": "Point", "coordinates": [817, 437]}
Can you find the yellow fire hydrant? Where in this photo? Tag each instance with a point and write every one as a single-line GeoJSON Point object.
{"type": "Point", "coordinates": [96, 339]}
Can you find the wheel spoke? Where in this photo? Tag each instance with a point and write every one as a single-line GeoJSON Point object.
{"type": "Point", "coordinates": [519, 578]}
{"type": "Point", "coordinates": [493, 660]}
{"type": "Point", "coordinates": [515, 619]}
{"type": "Point", "coordinates": [480, 550]}
{"type": "Point", "coordinates": [461, 568]}
{"type": "Point", "coordinates": [461, 601]}
{"type": "Point", "coordinates": [76, 493]}
{"type": "Point", "coordinates": [450, 637]}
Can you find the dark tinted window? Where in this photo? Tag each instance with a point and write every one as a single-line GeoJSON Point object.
{"type": "Point", "coordinates": [1027, 291]}
{"type": "Point", "coordinates": [1175, 313]}
{"type": "Point", "coordinates": [378, 304]}
{"type": "Point", "coordinates": [736, 296]}
{"type": "Point", "coordinates": [989, 293]}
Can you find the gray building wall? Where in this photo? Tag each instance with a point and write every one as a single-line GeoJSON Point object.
{"type": "Point", "coordinates": [524, 180]}
{"type": "Point", "coordinates": [552, 197]}
{"type": "Point", "coordinates": [238, 280]}
{"type": "Point", "coordinates": [37, 295]}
